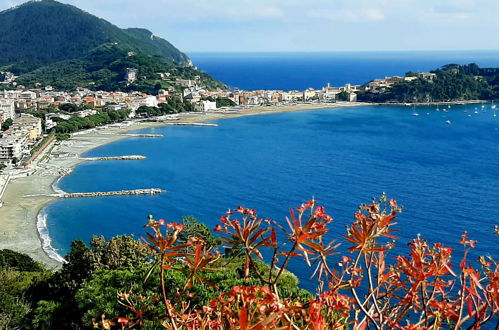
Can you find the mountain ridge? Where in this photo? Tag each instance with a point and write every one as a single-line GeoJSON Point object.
{"type": "Point", "coordinates": [68, 32]}
{"type": "Point", "coordinates": [51, 43]}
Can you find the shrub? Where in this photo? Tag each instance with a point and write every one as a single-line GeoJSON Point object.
{"type": "Point", "coordinates": [421, 291]}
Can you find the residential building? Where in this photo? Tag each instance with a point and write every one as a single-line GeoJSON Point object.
{"type": "Point", "coordinates": [204, 106]}
{"type": "Point", "coordinates": [8, 107]}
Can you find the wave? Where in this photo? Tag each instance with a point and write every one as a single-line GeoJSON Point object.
{"type": "Point", "coordinates": [55, 185]}
{"type": "Point", "coordinates": [41, 225]}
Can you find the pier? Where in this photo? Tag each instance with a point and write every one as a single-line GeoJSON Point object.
{"type": "Point", "coordinates": [143, 135]}
{"type": "Point", "coordinates": [193, 124]}
{"type": "Point", "coordinates": [132, 157]}
{"type": "Point", "coordinates": [152, 191]}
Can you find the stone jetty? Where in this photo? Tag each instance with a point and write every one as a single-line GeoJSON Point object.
{"type": "Point", "coordinates": [132, 157]}
{"type": "Point", "coordinates": [193, 124]}
{"type": "Point", "coordinates": [143, 135]}
{"type": "Point", "coordinates": [153, 191]}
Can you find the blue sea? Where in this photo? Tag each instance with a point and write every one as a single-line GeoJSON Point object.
{"type": "Point", "coordinates": [299, 71]}
{"type": "Point", "coordinates": [445, 176]}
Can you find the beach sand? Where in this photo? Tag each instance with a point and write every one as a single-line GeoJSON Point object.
{"type": "Point", "coordinates": [18, 216]}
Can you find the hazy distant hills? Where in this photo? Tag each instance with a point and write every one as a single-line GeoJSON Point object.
{"type": "Point", "coordinates": [45, 41]}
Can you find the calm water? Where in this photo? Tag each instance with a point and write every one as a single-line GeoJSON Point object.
{"type": "Point", "coordinates": [288, 71]}
{"type": "Point", "coordinates": [446, 176]}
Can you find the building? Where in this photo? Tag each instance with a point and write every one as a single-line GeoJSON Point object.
{"type": "Point", "coordinates": [14, 146]}
{"type": "Point", "coordinates": [31, 124]}
{"type": "Point", "coordinates": [204, 106]}
{"type": "Point", "coordinates": [131, 75]}
{"type": "Point", "coordinates": [8, 107]}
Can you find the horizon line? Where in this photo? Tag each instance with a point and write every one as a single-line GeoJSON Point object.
{"type": "Point", "coordinates": [341, 51]}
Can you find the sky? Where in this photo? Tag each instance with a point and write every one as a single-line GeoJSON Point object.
{"type": "Point", "coordinates": [306, 25]}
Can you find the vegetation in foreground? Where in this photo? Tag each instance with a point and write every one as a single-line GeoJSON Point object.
{"type": "Point", "coordinates": [178, 278]}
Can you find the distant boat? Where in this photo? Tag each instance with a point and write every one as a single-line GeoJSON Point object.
{"type": "Point", "coordinates": [414, 113]}
{"type": "Point", "coordinates": [448, 122]}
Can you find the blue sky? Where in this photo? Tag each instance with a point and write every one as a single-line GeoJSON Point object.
{"type": "Point", "coordinates": [307, 25]}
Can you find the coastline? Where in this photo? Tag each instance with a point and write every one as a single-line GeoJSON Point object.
{"type": "Point", "coordinates": [21, 218]}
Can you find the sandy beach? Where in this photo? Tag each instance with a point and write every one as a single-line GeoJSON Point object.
{"type": "Point", "coordinates": [18, 216]}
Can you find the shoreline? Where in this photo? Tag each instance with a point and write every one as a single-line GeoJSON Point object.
{"type": "Point", "coordinates": [22, 220]}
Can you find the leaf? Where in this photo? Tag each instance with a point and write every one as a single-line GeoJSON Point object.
{"type": "Point", "coordinates": [243, 318]}
{"type": "Point", "coordinates": [470, 306]}
{"type": "Point", "coordinates": [273, 237]}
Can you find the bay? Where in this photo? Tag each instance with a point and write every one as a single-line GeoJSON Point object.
{"type": "Point", "coordinates": [444, 175]}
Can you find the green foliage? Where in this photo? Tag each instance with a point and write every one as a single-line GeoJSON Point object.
{"type": "Point", "coordinates": [13, 311]}
{"type": "Point", "coordinates": [453, 83]}
{"type": "Point", "coordinates": [194, 228]}
{"type": "Point", "coordinates": [100, 291]}
{"type": "Point", "coordinates": [99, 295]}
{"type": "Point", "coordinates": [63, 137]}
{"type": "Point", "coordinates": [46, 314]}
{"type": "Point", "coordinates": [49, 31]}
{"type": "Point", "coordinates": [14, 308]}
{"type": "Point", "coordinates": [60, 45]}
{"type": "Point", "coordinates": [119, 252]}
{"type": "Point", "coordinates": [174, 105]}
{"type": "Point", "coordinates": [6, 124]}
{"type": "Point", "coordinates": [87, 285]}
{"type": "Point", "coordinates": [343, 96]}
{"type": "Point", "coordinates": [18, 261]}
{"type": "Point", "coordinates": [42, 143]}
{"type": "Point", "coordinates": [224, 102]}
{"type": "Point", "coordinates": [75, 124]}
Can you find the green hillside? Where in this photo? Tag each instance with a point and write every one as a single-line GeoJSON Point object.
{"type": "Point", "coordinates": [56, 44]}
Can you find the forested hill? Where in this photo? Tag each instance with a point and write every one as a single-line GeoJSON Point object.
{"type": "Point", "coordinates": [48, 31]}
{"type": "Point", "coordinates": [451, 82]}
{"type": "Point", "coordinates": [46, 41]}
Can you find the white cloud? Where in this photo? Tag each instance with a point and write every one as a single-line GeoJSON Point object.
{"type": "Point", "coordinates": [349, 15]}
{"type": "Point", "coordinates": [246, 12]}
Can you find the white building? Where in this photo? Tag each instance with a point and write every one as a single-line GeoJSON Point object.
{"type": "Point", "coordinates": [8, 107]}
{"type": "Point", "coordinates": [148, 101]}
{"type": "Point", "coordinates": [204, 106]}
{"type": "Point", "coordinates": [14, 146]}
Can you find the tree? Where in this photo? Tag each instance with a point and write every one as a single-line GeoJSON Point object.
{"type": "Point", "coordinates": [343, 96]}
{"type": "Point", "coordinates": [6, 124]}
{"type": "Point", "coordinates": [68, 107]}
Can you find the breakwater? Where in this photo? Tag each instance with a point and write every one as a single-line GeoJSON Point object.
{"type": "Point", "coordinates": [132, 157]}
{"type": "Point", "coordinates": [143, 135]}
{"type": "Point", "coordinates": [153, 191]}
{"type": "Point", "coordinates": [193, 124]}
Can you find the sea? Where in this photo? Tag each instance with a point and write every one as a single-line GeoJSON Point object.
{"type": "Point", "coordinates": [445, 175]}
